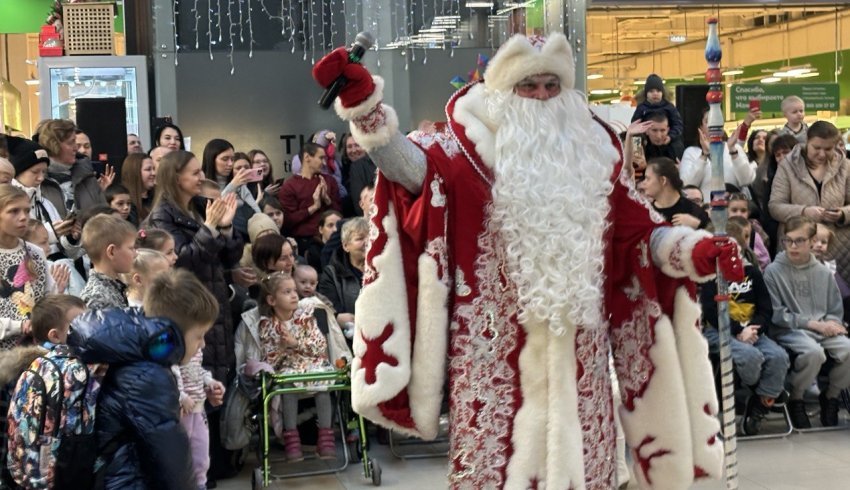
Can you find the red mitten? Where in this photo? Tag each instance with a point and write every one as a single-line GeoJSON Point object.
{"type": "Point", "coordinates": [330, 67]}
{"type": "Point", "coordinates": [722, 251]}
{"type": "Point", "coordinates": [359, 85]}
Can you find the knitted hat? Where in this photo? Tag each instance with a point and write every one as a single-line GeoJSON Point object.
{"type": "Point", "coordinates": [522, 57]}
{"type": "Point", "coordinates": [25, 153]}
{"type": "Point", "coordinates": [260, 223]}
{"type": "Point", "coordinates": [654, 82]}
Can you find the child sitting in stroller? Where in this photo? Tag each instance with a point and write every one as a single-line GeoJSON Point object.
{"type": "Point", "coordinates": [282, 336]}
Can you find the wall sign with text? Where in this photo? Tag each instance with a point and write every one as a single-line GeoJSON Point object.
{"type": "Point", "coordinates": [817, 96]}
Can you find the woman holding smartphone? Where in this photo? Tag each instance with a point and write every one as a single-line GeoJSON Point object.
{"type": "Point", "coordinates": [247, 203]}
{"type": "Point", "coordinates": [814, 181]}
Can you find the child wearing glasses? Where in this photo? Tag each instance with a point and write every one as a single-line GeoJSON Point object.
{"type": "Point", "coordinates": [808, 321]}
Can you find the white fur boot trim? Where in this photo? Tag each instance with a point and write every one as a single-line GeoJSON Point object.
{"type": "Point", "coordinates": [658, 429]}
{"type": "Point", "coordinates": [429, 349]}
{"type": "Point", "coordinates": [699, 385]}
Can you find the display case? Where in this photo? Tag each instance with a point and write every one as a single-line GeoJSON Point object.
{"type": "Point", "coordinates": [68, 78]}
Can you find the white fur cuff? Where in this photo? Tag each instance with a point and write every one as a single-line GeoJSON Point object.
{"type": "Point", "coordinates": [365, 107]}
{"type": "Point", "coordinates": [379, 132]}
{"type": "Point", "coordinates": [673, 249]}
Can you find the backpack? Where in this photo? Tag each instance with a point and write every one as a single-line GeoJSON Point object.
{"type": "Point", "coordinates": [52, 442]}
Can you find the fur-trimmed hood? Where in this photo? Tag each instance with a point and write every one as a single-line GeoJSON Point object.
{"type": "Point", "coordinates": [15, 361]}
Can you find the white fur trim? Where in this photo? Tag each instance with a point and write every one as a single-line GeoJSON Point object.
{"type": "Point", "coordinates": [699, 384]}
{"type": "Point", "coordinates": [365, 107]}
{"type": "Point", "coordinates": [470, 111]}
{"type": "Point", "coordinates": [661, 413]}
{"type": "Point", "coordinates": [518, 59]}
{"type": "Point", "coordinates": [547, 436]}
{"type": "Point", "coordinates": [380, 137]}
{"type": "Point", "coordinates": [429, 349]}
{"type": "Point", "coordinates": [390, 282]}
{"type": "Point", "coordinates": [529, 433]}
{"type": "Point", "coordinates": [565, 441]}
{"type": "Point", "coordinates": [676, 247]}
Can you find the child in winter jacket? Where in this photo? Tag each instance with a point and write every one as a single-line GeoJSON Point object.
{"type": "Point", "coordinates": [655, 99]}
{"type": "Point", "coordinates": [138, 413]}
{"type": "Point", "coordinates": [54, 398]}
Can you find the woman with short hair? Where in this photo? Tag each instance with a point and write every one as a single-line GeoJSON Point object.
{"type": "Point", "coordinates": [71, 183]}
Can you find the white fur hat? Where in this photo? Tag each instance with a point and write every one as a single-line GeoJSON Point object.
{"type": "Point", "coordinates": [522, 57]}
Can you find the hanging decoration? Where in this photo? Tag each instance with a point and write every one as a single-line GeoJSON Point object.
{"type": "Point", "coordinates": [410, 25]}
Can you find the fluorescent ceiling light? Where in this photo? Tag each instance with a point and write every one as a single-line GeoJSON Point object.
{"type": "Point", "coordinates": [770, 80]}
{"type": "Point", "coordinates": [798, 71]}
{"type": "Point", "coordinates": [734, 71]}
{"type": "Point", "coordinates": [808, 75]}
{"type": "Point", "coordinates": [640, 82]}
{"type": "Point", "coordinates": [32, 82]}
{"type": "Point", "coordinates": [678, 38]}
{"type": "Point", "coordinates": [594, 76]}
{"type": "Point", "coordinates": [603, 91]}
{"type": "Point", "coordinates": [479, 5]}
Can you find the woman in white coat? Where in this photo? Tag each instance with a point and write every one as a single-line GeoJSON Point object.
{"type": "Point", "coordinates": [695, 168]}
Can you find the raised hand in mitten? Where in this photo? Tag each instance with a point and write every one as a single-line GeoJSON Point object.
{"type": "Point", "coordinates": [720, 251]}
{"type": "Point", "coordinates": [358, 86]}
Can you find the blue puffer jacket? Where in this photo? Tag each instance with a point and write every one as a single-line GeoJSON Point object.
{"type": "Point", "coordinates": [138, 408]}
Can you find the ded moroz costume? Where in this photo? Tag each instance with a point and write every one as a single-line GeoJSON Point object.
{"type": "Point", "coordinates": [510, 295]}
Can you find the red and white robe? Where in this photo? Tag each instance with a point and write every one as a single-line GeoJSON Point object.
{"type": "Point", "coordinates": [528, 408]}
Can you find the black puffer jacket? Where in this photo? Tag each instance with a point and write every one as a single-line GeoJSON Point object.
{"type": "Point", "coordinates": [138, 412]}
{"type": "Point", "coordinates": [208, 257]}
{"type": "Point", "coordinates": [339, 283]}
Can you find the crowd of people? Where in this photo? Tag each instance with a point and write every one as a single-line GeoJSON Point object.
{"type": "Point", "coordinates": [789, 210]}
{"type": "Point", "coordinates": [215, 267]}
{"type": "Point", "coordinates": [212, 249]}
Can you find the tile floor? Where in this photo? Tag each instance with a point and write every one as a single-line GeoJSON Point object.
{"type": "Point", "coordinates": [818, 460]}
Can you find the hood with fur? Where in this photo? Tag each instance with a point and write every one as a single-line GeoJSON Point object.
{"type": "Point", "coordinates": [15, 361]}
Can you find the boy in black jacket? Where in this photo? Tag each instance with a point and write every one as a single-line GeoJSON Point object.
{"type": "Point", "coordinates": [759, 362]}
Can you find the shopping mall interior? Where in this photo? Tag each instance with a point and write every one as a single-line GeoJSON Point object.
{"type": "Point", "coordinates": [241, 69]}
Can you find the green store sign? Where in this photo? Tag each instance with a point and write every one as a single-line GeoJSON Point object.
{"type": "Point", "coordinates": [817, 96]}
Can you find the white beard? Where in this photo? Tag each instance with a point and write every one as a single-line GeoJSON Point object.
{"type": "Point", "coordinates": [552, 170]}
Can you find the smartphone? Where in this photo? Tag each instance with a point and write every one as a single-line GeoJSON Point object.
{"type": "Point", "coordinates": [256, 175]}
{"type": "Point", "coordinates": [755, 104]}
{"type": "Point", "coordinates": [70, 216]}
{"type": "Point", "coordinates": [637, 143]}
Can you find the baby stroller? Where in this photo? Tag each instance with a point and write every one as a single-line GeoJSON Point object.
{"type": "Point", "coordinates": [265, 387]}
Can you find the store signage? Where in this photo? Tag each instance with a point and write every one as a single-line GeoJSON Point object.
{"type": "Point", "coordinates": [817, 96]}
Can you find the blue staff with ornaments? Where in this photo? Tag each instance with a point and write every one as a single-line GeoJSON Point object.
{"type": "Point", "coordinates": [714, 97]}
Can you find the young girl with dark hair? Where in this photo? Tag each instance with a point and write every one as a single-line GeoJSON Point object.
{"type": "Point", "coordinates": [663, 185]}
{"type": "Point", "coordinates": [139, 177]}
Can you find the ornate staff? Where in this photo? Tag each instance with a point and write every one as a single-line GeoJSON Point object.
{"type": "Point", "coordinates": [714, 97]}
